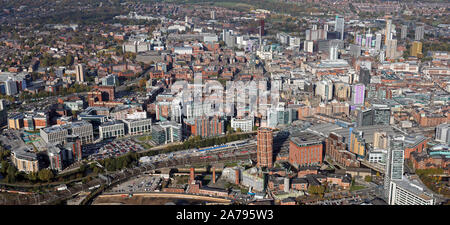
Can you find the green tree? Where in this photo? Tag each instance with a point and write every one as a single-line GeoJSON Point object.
{"type": "Point", "coordinates": [4, 165]}
{"type": "Point", "coordinates": [45, 175]}
{"type": "Point", "coordinates": [368, 178]}
{"type": "Point", "coordinates": [32, 176]}
{"type": "Point", "coordinates": [69, 60]}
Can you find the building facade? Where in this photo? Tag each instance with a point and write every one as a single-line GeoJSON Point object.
{"type": "Point", "coordinates": [265, 147]}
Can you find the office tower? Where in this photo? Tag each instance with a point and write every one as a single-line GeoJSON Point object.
{"type": "Point", "coordinates": [325, 27]}
{"type": "Point", "coordinates": [358, 92]}
{"type": "Point", "coordinates": [419, 33]}
{"type": "Point", "coordinates": [388, 31]}
{"type": "Point", "coordinates": [404, 31]}
{"type": "Point", "coordinates": [416, 49]}
{"type": "Point", "coordinates": [443, 133]}
{"type": "Point", "coordinates": [10, 87]}
{"type": "Point", "coordinates": [364, 76]}
{"type": "Point", "coordinates": [391, 49]}
{"type": "Point", "coordinates": [333, 52]}
{"type": "Point", "coordinates": [79, 72]}
{"type": "Point", "coordinates": [265, 147]}
{"type": "Point", "coordinates": [378, 42]}
{"type": "Point", "coordinates": [213, 15]}
{"type": "Point", "coordinates": [340, 27]}
{"type": "Point", "coordinates": [394, 163]}
{"type": "Point", "coordinates": [314, 27]}
{"type": "Point", "coordinates": [373, 116]}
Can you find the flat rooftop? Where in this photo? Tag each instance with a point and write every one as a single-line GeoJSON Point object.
{"type": "Point", "coordinates": [306, 138]}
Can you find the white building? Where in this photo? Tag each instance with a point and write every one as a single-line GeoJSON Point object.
{"type": "Point", "coordinates": [111, 129]}
{"type": "Point", "coordinates": [138, 126]}
{"type": "Point", "coordinates": [182, 50]}
{"type": "Point", "coordinates": [409, 192]}
{"type": "Point", "coordinates": [443, 133]}
{"type": "Point", "coordinates": [324, 89]}
{"type": "Point", "coordinates": [377, 156]}
{"type": "Point", "coordinates": [10, 87]}
{"type": "Point", "coordinates": [308, 46]}
{"type": "Point", "coordinates": [245, 125]}
{"type": "Point", "coordinates": [80, 70]}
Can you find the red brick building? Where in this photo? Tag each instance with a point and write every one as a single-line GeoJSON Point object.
{"type": "Point", "coordinates": [306, 149]}
{"type": "Point", "coordinates": [335, 148]}
{"type": "Point", "coordinates": [265, 147]}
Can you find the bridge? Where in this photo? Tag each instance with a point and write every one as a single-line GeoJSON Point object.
{"type": "Point", "coordinates": [372, 166]}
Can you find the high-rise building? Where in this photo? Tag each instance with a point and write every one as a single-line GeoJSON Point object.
{"type": "Point", "coordinates": [265, 147]}
{"type": "Point", "coordinates": [388, 31]}
{"type": "Point", "coordinates": [3, 113]}
{"type": "Point", "coordinates": [213, 15]}
{"type": "Point", "coordinates": [261, 27]}
{"type": "Point", "coordinates": [358, 92]}
{"type": "Point", "coordinates": [373, 116]}
{"type": "Point", "coordinates": [378, 42]}
{"type": "Point", "coordinates": [419, 33]}
{"type": "Point", "coordinates": [308, 46]}
{"type": "Point", "coordinates": [394, 163]}
{"type": "Point", "coordinates": [74, 146]}
{"type": "Point", "coordinates": [404, 31]}
{"type": "Point", "coordinates": [229, 38]}
{"type": "Point", "coordinates": [333, 52]}
{"type": "Point", "coordinates": [416, 49]}
{"type": "Point", "coordinates": [10, 87]}
{"type": "Point", "coordinates": [340, 27]}
{"type": "Point", "coordinates": [443, 133]}
{"type": "Point", "coordinates": [391, 49]}
{"type": "Point", "coordinates": [79, 73]}
{"type": "Point", "coordinates": [315, 35]}
{"type": "Point", "coordinates": [364, 76]}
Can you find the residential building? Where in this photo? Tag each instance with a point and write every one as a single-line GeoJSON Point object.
{"type": "Point", "coordinates": [25, 160]}
{"type": "Point", "coordinates": [264, 147]}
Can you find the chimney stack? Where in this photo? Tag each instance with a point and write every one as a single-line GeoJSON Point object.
{"type": "Point", "coordinates": [237, 176]}
{"type": "Point", "coordinates": [214, 175]}
{"type": "Point", "coordinates": [192, 175]}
